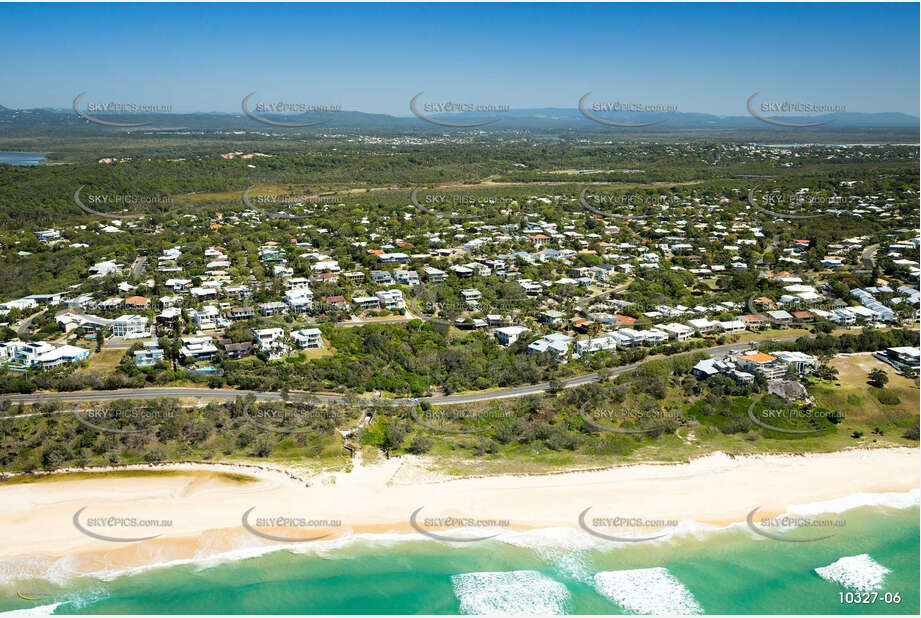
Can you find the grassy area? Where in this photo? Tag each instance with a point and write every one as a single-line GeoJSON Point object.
{"type": "Point", "coordinates": [309, 355]}
{"type": "Point", "coordinates": [121, 474]}
{"type": "Point", "coordinates": [104, 361]}
{"type": "Point", "coordinates": [655, 417]}
{"type": "Point", "coordinates": [860, 402]}
{"type": "Point", "coordinates": [773, 333]}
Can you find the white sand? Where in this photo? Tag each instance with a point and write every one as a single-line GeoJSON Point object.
{"type": "Point", "coordinates": [206, 510]}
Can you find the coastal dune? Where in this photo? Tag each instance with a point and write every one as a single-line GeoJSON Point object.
{"type": "Point", "coordinates": [197, 511]}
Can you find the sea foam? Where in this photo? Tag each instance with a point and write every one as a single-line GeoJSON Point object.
{"type": "Point", "coordinates": [506, 593]}
{"type": "Point", "coordinates": [861, 573]}
{"type": "Point", "coordinates": [41, 610]}
{"type": "Point", "coordinates": [647, 591]}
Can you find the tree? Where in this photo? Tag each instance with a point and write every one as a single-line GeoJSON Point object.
{"type": "Point", "coordinates": [420, 444]}
{"type": "Point", "coordinates": [394, 436]}
{"type": "Point", "coordinates": [878, 377]}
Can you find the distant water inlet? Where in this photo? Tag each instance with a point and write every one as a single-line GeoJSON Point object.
{"type": "Point", "coordinates": [23, 158]}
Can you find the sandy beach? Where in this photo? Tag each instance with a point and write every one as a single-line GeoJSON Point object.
{"type": "Point", "coordinates": [198, 512]}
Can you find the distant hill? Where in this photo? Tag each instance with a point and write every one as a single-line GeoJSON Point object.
{"type": "Point", "coordinates": [541, 119]}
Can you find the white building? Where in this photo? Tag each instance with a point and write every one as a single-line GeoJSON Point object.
{"type": "Point", "coordinates": [592, 345]}
{"type": "Point", "coordinates": [271, 340]}
{"type": "Point", "coordinates": [308, 338]}
{"type": "Point", "coordinates": [300, 300]}
{"type": "Point", "coordinates": [803, 363]}
{"type": "Point", "coordinates": [40, 354]}
{"type": "Point", "coordinates": [510, 334]}
{"type": "Point", "coordinates": [206, 318]}
{"type": "Point", "coordinates": [555, 344]}
{"type": "Point", "coordinates": [732, 326]}
{"type": "Point", "coordinates": [197, 348]}
{"type": "Point", "coordinates": [130, 326]}
{"type": "Point", "coordinates": [391, 299]}
{"type": "Point", "coordinates": [702, 325]}
{"type": "Point", "coordinates": [678, 331]}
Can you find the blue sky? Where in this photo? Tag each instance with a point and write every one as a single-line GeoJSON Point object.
{"type": "Point", "coordinates": [701, 57]}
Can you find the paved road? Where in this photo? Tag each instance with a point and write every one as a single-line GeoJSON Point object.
{"type": "Point", "coordinates": [138, 267]}
{"type": "Point", "coordinates": [23, 326]}
{"type": "Point", "coordinates": [230, 394]}
{"type": "Point", "coordinates": [867, 256]}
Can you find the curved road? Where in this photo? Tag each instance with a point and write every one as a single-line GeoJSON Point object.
{"type": "Point", "coordinates": [868, 256]}
{"type": "Point", "coordinates": [230, 394]}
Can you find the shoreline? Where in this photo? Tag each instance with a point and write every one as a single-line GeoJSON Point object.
{"type": "Point", "coordinates": [207, 512]}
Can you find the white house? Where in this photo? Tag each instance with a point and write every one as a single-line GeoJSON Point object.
{"type": "Point", "coordinates": [130, 326]}
{"type": "Point", "coordinates": [198, 348]}
{"type": "Point", "coordinates": [702, 325]}
{"type": "Point", "coordinates": [300, 300]}
{"type": "Point", "coordinates": [308, 338]}
{"type": "Point", "coordinates": [803, 363]}
{"type": "Point", "coordinates": [592, 345]}
{"type": "Point", "coordinates": [510, 334]}
{"type": "Point", "coordinates": [269, 339]}
{"type": "Point", "coordinates": [206, 318]}
{"type": "Point", "coordinates": [732, 326]}
{"type": "Point", "coordinates": [391, 299]}
{"type": "Point", "coordinates": [555, 344]}
{"type": "Point", "coordinates": [678, 331]}
{"type": "Point", "coordinates": [654, 335]}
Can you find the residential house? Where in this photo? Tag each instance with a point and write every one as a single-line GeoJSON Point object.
{"type": "Point", "coordinates": [272, 308]}
{"type": "Point", "coordinates": [508, 335]}
{"type": "Point", "coordinates": [137, 302]}
{"type": "Point", "coordinates": [130, 326]}
{"type": "Point", "coordinates": [308, 338]}
{"type": "Point", "coordinates": [241, 313]}
{"type": "Point", "coordinates": [765, 364]}
{"type": "Point", "coordinates": [300, 300]}
{"type": "Point", "coordinates": [270, 340]}
{"type": "Point", "coordinates": [391, 299]}
{"type": "Point", "coordinates": [434, 275]}
{"type": "Point", "coordinates": [149, 355]}
{"type": "Point", "coordinates": [198, 348]}
{"type": "Point", "coordinates": [554, 344]}
{"type": "Point", "coordinates": [802, 363]}
{"type": "Point", "coordinates": [407, 277]}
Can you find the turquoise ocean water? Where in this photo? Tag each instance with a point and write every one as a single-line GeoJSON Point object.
{"type": "Point", "coordinates": [723, 571]}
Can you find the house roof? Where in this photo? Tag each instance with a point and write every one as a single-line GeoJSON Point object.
{"type": "Point", "coordinates": [758, 357]}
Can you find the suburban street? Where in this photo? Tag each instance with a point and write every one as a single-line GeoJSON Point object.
{"type": "Point", "coordinates": [461, 398]}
